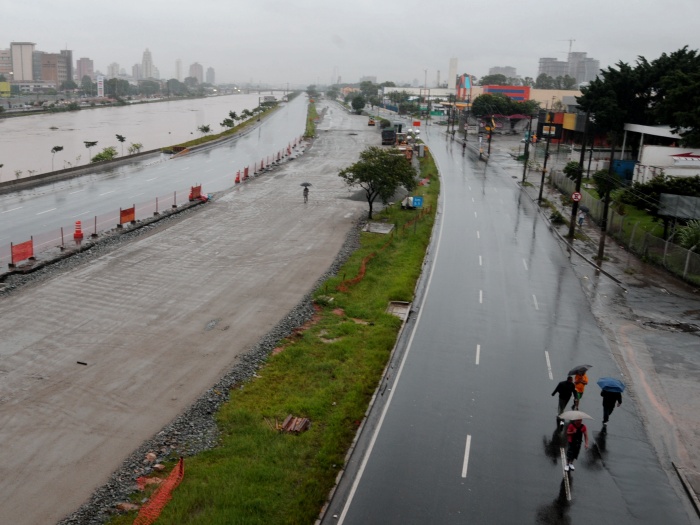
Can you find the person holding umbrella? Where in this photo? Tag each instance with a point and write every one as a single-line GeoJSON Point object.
{"type": "Point", "coordinates": [580, 382]}
{"type": "Point", "coordinates": [611, 392]}
{"type": "Point", "coordinates": [576, 432]}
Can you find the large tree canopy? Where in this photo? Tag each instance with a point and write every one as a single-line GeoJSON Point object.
{"type": "Point", "coordinates": [380, 172]}
{"type": "Point", "coordinates": [500, 104]}
{"type": "Point", "coordinates": [665, 91]}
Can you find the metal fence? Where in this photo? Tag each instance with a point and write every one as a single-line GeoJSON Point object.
{"type": "Point", "coordinates": [650, 248]}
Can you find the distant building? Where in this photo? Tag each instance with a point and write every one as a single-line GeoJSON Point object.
{"type": "Point", "coordinates": [147, 65]}
{"type": "Point", "coordinates": [113, 70]}
{"type": "Point", "coordinates": [197, 71]}
{"type": "Point", "coordinates": [211, 77]}
{"type": "Point", "coordinates": [52, 68]}
{"type": "Point", "coordinates": [578, 66]}
{"type": "Point", "coordinates": [452, 73]}
{"type": "Point", "coordinates": [68, 59]}
{"type": "Point", "coordinates": [506, 71]}
{"type": "Point", "coordinates": [136, 72]}
{"type": "Point", "coordinates": [84, 68]}
{"type": "Point", "coordinates": [5, 63]}
{"type": "Point", "coordinates": [178, 70]}
{"type": "Point", "coordinates": [22, 61]}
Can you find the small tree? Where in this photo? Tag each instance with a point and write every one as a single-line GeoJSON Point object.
{"type": "Point", "coordinates": [204, 129]}
{"type": "Point", "coordinates": [55, 150]}
{"type": "Point", "coordinates": [358, 103]}
{"type": "Point", "coordinates": [135, 148]}
{"type": "Point", "coordinates": [122, 139]}
{"type": "Point", "coordinates": [572, 170]}
{"type": "Point", "coordinates": [89, 145]}
{"type": "Point", "coordinates": [380, 172]}
{"type": "Point", "coordinates": [107, 153]}
{"type": "Point", "coordinates": [689, 235]}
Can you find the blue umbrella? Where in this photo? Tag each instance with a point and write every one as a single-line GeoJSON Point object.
{"type": "Point", "coordinates": [610, 384]}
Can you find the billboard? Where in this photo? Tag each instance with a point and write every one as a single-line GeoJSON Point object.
{"type": "Point", "coordinates": [464, 87]}
{"type": "Point", "coordinates": [4, 89]}
{"type": "Point", "coordinates": [100, 86]}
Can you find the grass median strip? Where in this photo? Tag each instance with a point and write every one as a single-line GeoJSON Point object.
{"type": "Point", "coordinates": [327, 371]}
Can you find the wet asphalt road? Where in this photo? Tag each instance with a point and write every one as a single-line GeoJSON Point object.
{"type": "Point", "coordinates": [465, 430]}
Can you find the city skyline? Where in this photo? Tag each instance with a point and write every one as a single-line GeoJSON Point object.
{"type": "Point", "coordinates": [277, 42]}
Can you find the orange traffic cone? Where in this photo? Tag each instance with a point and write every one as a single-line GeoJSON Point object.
{"type": "Point", "coordinates": [238, 177]}
{"type": "Point", "coordinates": [78, 235]}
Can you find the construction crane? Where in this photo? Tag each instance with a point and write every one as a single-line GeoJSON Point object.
{"type": "Point", "coordinates": [571, 44]}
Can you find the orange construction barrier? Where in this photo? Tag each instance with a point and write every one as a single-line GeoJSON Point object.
{"type": "Point", "coordinates": [78, 235]}
{"type": "Point", "coordinates": [238, 177]}
{"type": "Point", "coordinates": [150, 511]}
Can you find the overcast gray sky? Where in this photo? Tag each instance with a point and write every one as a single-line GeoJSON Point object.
{"type": "Point", "coordinates": [304, 42]}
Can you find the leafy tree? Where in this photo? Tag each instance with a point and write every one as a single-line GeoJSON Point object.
{"type": "Point", "coordinates": [87, 86]}
{"type": "Point", "coordinates": [332, 93]}
{"type": "Point", "coordinates": [122, 139]}
{"type": "Point", "coordinates": [368, 89]}
{"type": "Point", "coordinates": [191, 82]}
{"type": "Point", "coordinates": [55, 150]}
{"type": "Point", "coordinates": [375, 101]}
{"type": "Point", "coordinates": [397, 97]}
{"type": "Point", "coordinates": [3, 78]}
{"type": "Point", "coordinates": [233, 116]}
{"type": "Point", "coordinates": [68, 85]}
{"type": "Point", "coordinates": [89, 145]}
{"type": "Point", "coordinates": [544, 81]}
{"type": "Point", "coordinates": [204, 129]}
{"type": "Point", "coordinates": [689, 235]}
{"type": "Point", "coordinates": [494, 80]}
{"type": "Point", "coordinates": [117, 87]}
{"type": "Point", "coordinates": [312, 91]}
{"type": "Point", "coordinates": [227, 123]}
{"type": "Point", "coordinates": [107, 153]}
{"type": "Point", "coordinates": [177, 88]}
{"type": "Point", "coordinates": [149, 87]}
{"type": "Point", "coordinates": [500, 104]}
{"type": "Point", "coordinates": [380, 172]}
{"type": "Point", "coordinates": [565, 82]}
{"type": "Point", "coordinates": [528, 81]}
{"type": "Point", "coordinates": [358, 103]}
{"type": "Point", "coordinates": [572, 170]}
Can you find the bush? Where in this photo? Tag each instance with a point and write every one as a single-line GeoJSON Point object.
{"type": "Point", "coordinates": [106, 154]}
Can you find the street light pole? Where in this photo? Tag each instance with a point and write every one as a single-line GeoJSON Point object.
{"type": "Point", "coordinates": [579, 176]}
{"type": "Point", "coordinates": [546, 156]}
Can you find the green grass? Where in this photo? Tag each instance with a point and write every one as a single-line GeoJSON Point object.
{"type": "Point", "coordinates": [326, 373]}
{"type": "Point", "coordinates": [311, 117]}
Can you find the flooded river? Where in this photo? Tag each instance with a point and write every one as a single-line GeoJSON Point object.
{"type": "Point", "coordinates": [26, 142]}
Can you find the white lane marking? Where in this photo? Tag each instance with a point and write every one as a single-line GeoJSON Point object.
{"type": "Point", "coordinates": [84, 213]}
{"type": "Point", "coordinates": [534, 298]}
{"type": "Point", "coordinates": [373, 440]}
{"type": "Point", "coordinates": [13, 209]}
{"type": "Point", "coordinates": [473, 199]}
{"type": "Point", "coordinates": [45, 211]}
{"type": "Point", "coordinates": [466, 455]}
{"type": "Point", "coordinates": [525, 264]}
{"type": "Point", "coordinates": [149, 180]}
{"type": "Point", "coordinates": [481, 297]}
{"type": "Point", "coordinates": [347, 215]}
{"type": "Point", "coordinates": [101, 194]}
{"type": "Point", "coordinates": [549, 365]}
{"type": "Point", "coordinates": [475, 214]}
{"type": "Point", "coordinates": [478, 353]}
{"type": "Point", "coordinates": [477, 234]}
{"type": "Point", "coordinates": [479, 260]}
{"type": "Point", "coordinates": [74, 192]}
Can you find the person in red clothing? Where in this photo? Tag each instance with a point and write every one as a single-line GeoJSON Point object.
{"type": "Point", "coordinates": [576, 432]}
{"type": "Point", "coordinates": [580, 382]}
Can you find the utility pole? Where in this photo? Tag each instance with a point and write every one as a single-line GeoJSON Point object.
{"type": "Point", "coordinates": [579, 176]}
{"type": "Point", "coordinates": [546, 156]}
{"type": "Point", "coordinates": [527, 148]}
{"type": "Point", "coordinates": [606, 204]}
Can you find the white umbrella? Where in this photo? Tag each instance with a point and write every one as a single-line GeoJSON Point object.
{"type": "Point", "coordinates": [573, 415]}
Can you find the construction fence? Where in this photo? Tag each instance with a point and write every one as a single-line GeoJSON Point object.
{"type": "Point", "coordinates": [662, 252]}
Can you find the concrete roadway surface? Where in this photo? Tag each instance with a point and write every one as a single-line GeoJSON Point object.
{"type": "Point", "coordinates": [138, 317]}
{"type": "Point", "coordinates": [464, 428]}
{"type": "Point", "coordinates": [47, 208]}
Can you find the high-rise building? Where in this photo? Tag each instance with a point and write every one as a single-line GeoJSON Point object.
{"type": "Point", "coordinates": [6, 63]}
{"type": "Point", "coordinates": [68, 60]}
{"type": "Point", "coordinates": [155, 73]}
{"type": "Point", "coordinates": [452, 74]}
{"type": "Point", "coordinates": [178, 70]}
{"type": "Point", "coordinates": [84, 68]}
{"type": "Point", "coordinates": [22, 61]}
{"type": "Point", "coordinates": [52, 68]}
{"type": "Point", "coordinates": [211, 77]}
{"type": "Point", "coordinates": [197, 71]}
{"type": "Point", "coordinates": [147, 65]}
{"type": "Point", "coordinates": [113, 70]}
{"type": "Point", "coordinates": [583, 68]}
{"type": "Point", "coordinates": [506, 71]}
{"type": "Point", "coordinates": [553, 68]}
{"type": "Point", "coordinates": [136, 72]}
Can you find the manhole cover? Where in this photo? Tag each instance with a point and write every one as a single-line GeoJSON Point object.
{"type": "Point", "coordinates": [399, 308]}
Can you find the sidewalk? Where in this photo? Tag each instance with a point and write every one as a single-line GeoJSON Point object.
{"type": "Point", "coordinates": [650, 318]}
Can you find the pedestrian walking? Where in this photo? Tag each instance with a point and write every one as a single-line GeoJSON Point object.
{"type": "Point", "coordinates": [565, 389]}
{"type": "Point", "coordinates": [306, 194]}
{"type": "Point", "coordinates": [581, 217]}
{"type": "Point", "coordinates": [580, 382]}
{"type": "Point", "coordinates": [576, 433]}
{"type": "Point", "coordinates": [609, 400]}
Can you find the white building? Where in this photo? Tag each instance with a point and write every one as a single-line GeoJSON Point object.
{"type": "Point", "coordinates": [22, 61]}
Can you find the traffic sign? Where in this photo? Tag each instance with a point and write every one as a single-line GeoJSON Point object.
{"type": "Point", "coordinates": [576, 196]}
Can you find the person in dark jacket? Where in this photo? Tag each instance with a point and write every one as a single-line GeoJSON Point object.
{"type": "Point", "coordinates": [609, 400]}
{"type": "Point", "coordinates": [565, 389]}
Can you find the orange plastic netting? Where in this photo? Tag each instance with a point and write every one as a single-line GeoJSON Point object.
{"type": "Point", "coordinates": [150, 511]}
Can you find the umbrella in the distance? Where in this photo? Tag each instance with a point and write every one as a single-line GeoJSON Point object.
{"type": "Point", "coordinates": [573, 415]}
{"type": "Point", "coordinates": [580, 369]}
{"type": "Point", "coordinates": [305, 184]}
{"type": "Point", "coordinates": [611, 384]}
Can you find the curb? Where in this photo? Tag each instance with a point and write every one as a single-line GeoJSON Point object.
{"type": "Point", "coordinates": [688, 487]}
